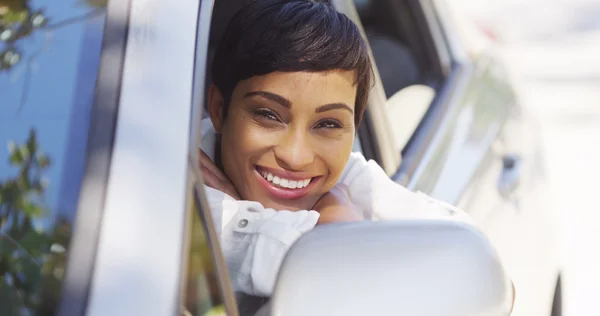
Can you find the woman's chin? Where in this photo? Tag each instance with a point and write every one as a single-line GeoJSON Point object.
{"type": "Point", "coordinates": [293, 206]}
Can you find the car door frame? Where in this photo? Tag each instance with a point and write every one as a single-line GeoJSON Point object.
{"type": "Point", "coordinates": [140, 258]}
{"type": "Point", "coordinates": [100, 144]}
{"type": "Point", "coordinates": [458, 68]}
{"type": "Point", "coordinates": [195, 180]}
{"type": "Point", "coordinates": [375, 133]}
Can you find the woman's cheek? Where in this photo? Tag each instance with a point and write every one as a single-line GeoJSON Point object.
{"type": "Point", "coordinates": [258, 138]}
{"type": "Point", "coordinates": [335, 155]}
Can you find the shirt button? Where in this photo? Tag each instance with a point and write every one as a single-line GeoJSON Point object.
{"type": "Point", "coordinates": [243, 223]}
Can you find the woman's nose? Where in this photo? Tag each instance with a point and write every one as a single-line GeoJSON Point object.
{"type": "Point", "coordinates": [294, 152]}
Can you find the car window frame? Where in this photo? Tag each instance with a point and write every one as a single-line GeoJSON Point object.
{"type": "Point", "coordinates": [141, 237]}
{"type": "Point", "coordinates": [419, 148]}
{"type": "Point", "coordinates": [454, 73]}
{"type": "Point", "coordinates": [375, 133]}
{"type": "Point", "coordinates": [412, 32]}
{"type": "Point", "coordinates": [195, 179]}
{"type": "Point", "coordinates": [425, 42]}
{"type": "Point", "coordinates": [100, 143]}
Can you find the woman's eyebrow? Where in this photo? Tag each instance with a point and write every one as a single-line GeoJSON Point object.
{"type": "Point", "coordinates": [333, 106]}
{"type": "Point", "coordinates": [271, 96]}
{"type": "Point", "coordinates": [288, 104]}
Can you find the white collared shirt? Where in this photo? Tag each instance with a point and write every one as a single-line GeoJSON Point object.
{"type": "Point", "coordinates": [255, 239]}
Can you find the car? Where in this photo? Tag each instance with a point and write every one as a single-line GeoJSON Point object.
{"type": "Point", "coordinates": [464, 136]}
{"type": "Point", "coordinates": [102, 209]}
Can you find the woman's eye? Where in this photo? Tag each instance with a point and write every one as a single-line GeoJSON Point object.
{"type": "Point", "coordinates": [267, 114]}
{"type": "Point", "coordinates": [329, 124]}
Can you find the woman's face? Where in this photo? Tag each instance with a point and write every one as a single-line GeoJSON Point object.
{"type": "Point", "coordinates": [287, 136]}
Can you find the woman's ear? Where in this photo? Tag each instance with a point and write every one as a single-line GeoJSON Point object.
{"type": "Point", "coordinates": [216, 102]}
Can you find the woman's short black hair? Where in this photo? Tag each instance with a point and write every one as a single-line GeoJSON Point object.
{"type": "Point", "coordinates": [291, 35]}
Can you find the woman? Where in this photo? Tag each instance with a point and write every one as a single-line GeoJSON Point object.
{"type": "Point", "coordinates": [290, 85]}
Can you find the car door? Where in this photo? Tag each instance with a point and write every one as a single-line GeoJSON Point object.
{"type": "Point", "coordinates": [463, 150]}
{"type": "Point", "coordinates": [487, 163]}
{"type": "Point", "coordinates": [157, 250]}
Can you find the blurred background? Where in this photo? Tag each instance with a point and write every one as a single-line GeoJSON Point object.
{"type": "Point", "coordinates": [553, 48]}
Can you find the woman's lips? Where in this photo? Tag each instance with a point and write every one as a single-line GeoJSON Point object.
{"type": "Point", "coordinates": [284, 185]}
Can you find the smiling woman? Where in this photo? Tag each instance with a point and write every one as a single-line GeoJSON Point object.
{"type": "Point", "coordinates": [276, 130]}
{"type": "Point", "coordinates": [290, 85]}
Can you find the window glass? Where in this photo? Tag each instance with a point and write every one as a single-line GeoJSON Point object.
{"type": "Point", "coordinates": [49, 55]}
{"type": "Point", "coordinates": [356, 146]}
{"type": "Point", "coordinates": [202, 296]}
{"type": "Point", "coordinates": [405, 80]}
{"type": "Point", "coordinates": [394, 57]}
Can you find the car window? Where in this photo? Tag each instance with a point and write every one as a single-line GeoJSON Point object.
{"type": "Point", "coordinates": [357, 146]}
{"type": "Point", "coordinates": [205, 284]}
{"type": "Point", "coordinates": [395, 57]}
{"type": "Point", "coordinates": [201, 292]}
{"type": "Point", "coordinates": [49, 55]}
{"type": "Point", "coordinates": [409, 76]}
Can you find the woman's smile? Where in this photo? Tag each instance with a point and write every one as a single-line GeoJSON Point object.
{"type": "Point", "coordinates": [284, 147]}
{"type": "Point", "coordinates": [285, 185]}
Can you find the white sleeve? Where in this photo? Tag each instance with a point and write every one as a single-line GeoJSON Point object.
{"type": "Point", "coordinates": [380, 198]}
{"type": "Point", "coordinates": [255, 239]}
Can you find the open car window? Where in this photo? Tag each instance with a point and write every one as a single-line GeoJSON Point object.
{"type": "Point", "coordinates": [205, 286]}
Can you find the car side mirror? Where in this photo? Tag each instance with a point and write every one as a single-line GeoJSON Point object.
{"type": "Point", "coordinates": [412, 267]}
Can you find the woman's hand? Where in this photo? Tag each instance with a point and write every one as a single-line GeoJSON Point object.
{"type": "Point", "coordinates": [215, 178]}
{"type": "Point", "coordinates": [336, 207]}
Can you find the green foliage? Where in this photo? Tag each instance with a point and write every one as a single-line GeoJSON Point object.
{"type": "Point", "coordinates": [12, 12]}
{"type": "Point", "coordinates": [28, 267]}
{"type": "Point", "coordinates": [18, 21]}
{"type": "Point", "coordinates": [96, 3]}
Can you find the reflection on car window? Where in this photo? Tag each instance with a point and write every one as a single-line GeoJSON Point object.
{"type": "Point", "coordinates": [49, 54]}
{"type": "Point", "coordinates": [201, 294]}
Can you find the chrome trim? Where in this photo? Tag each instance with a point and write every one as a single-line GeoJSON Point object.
{"type": "Point", "coordinates": [194, 173]}
{"type": "Point", "coordinates": [100, 144]}
{"type": "Point", "coordinates": [200, 68]}
{"type": "Point", "coordinates": [139, 251]}
{"type": "Point", "coordinates": [459, 72]}
{"type": "Point", "coordinates": [453, 104]}
{"type": "Point", "coordinates": [437, 35]}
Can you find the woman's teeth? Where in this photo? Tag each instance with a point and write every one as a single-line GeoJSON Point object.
{"type": "Point", "coordinates": [285, 183]}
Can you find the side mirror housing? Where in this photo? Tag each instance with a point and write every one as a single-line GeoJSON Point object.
{"type": "Point", "coordinates": [412, 267]}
